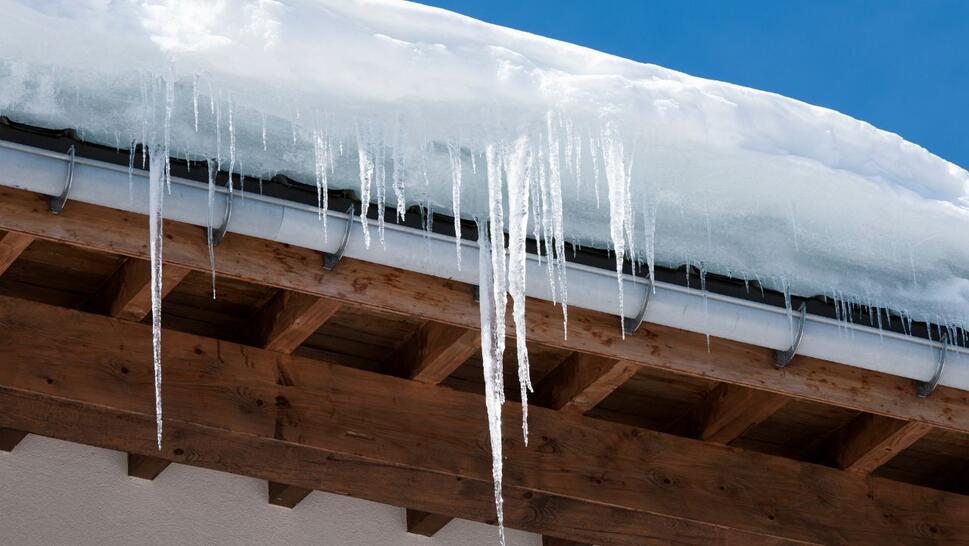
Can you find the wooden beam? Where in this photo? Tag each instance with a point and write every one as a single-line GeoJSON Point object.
{"type": "Point", "coordinates": [870, 441]}
{"type": "Point", "coordinates": [145, 466]}
{"type": "Point", "coordinates": [12, 245]}
{"type": "Point", "coordinates": [290, 318]}
{"type": "Point", "coordinates": [425, 523]}
{"type": "Point", "coordinates": [728, 411]}
{"type": "Point", "coordinates": [582, 381]}
{"type": "Point", "coordinates": [9, 438]}
{"type": "Point", "coordinates": [553, 541]}
{"type": "Point", "coordinates": [442, 300]}
{"type": "Point", "coordinates": [436, 350]}
{"type": "Point", "coordinates": [127, 294]}
{"type": "Point", "coordinates": [287, 496]}
{"type": "Point", "coordinates": [387, 422]}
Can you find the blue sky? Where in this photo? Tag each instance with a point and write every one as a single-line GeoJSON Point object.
{"type": "Point", "coordinates": [902, 65]}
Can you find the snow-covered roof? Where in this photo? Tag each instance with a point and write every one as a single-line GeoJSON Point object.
{"type": "Point", "coordinates": [400, 102]}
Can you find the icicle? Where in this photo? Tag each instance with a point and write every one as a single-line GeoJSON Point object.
{"type": "Point", "coordinates": [131, 170]}
{"type": "Point", "coordinates": [210, 229]}
{"type": "Point", "coordinates": [616, 179]}
{"type": "Point", "coordinates": [156, 195]}
{"type": "Point", "coordinates": [454, 154]}
{"type": "Point", "coordinates": [232, 146]}
{"type": "Point", "coordinates": [491, 357]}
{"type": "Point", "coordinates": [518, 171]}
{"type": "Point", "coordinates": [399, 170]}
{"type": "Point", "coordinates": [365, 162]}
{"type": "Point", "coordinates": [263, 116]}
{"type": "Point", "coordinates": [558, 228]}
{"type": "Point", "coordinates": [195, 100]}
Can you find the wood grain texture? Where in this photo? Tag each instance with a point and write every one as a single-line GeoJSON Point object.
{"type": "Point", "coordinates": [430, 298]}
{"type": "Point", "coordinates": [553, 541]}
{"type": "Point", "coordinates": [392, 422]}
{"type": "Point", "coordinates": [287, 496]}
{"type": "Point", "coordinates": [290, 318]}
{"type": "Point", "coordinates": [12, 245]}
{"type": "Point", "coordinates": [869, 441]}
{"type": "Point", "coordinates": [9, 438]}
{"type": "Point", "coordinates": [728, 411]}
{"type": "Point", "coordinates": [582, 381]}
{"type": "Point", "coordinates": [127, 294]}
{"type": "Point", "coordinates": [437, 350]}
{"type": "Point", "coordinates": [425, 523]}
{"type": "Point", "coordinates": [145, 466]}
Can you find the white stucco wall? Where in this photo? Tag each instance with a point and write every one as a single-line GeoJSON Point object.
{"type": "Point", "coordinates": [55, 493]}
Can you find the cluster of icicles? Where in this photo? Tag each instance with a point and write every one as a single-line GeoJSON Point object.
{"type": "Point", "coordinates": [525, 171]}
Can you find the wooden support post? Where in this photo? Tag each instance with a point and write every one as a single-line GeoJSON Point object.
{"type": "Point", "coordinates": [290, 318]}
{"type": "Point", "coordinates": [12, 245]}
{"type": "Point", "coordinates": [9, 438]}
{"type": "Point", "coordinates": [425, 523]}
{"type": "Point", "coordinates": [870, 441]}
{"type": "Point", "coordinates": [582, 381]}
{"type": "Point", "coordinates": [127, 294]}
{"type": "Point", "coordinates": [436, 350]}
{"type": "Point", "coordinates": [726, 412]}
{"type": "Point", "coordinates": [145, 467]}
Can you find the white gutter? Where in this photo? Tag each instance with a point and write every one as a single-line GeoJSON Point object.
{"type": "Point", "coordinates": [107, 184]}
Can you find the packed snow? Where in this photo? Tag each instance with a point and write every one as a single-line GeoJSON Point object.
{"type": "Point", "coordinates": [406, 104]}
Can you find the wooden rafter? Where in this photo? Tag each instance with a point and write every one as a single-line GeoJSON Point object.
{"type": "Point", "coordinates": [145, 467]}
{"type": "Point", "coordinates": [290, 318]}
{"type": "Point", "coordinates": [582, 381]}
{"type": "Point", "coordinates": [425, 523]}
{"type": "Point", "coordinates": [870, 441]}
{"type": "Point", "coordinates": [127, 294]}
{"type": "Point", "coordinates": [9, 438]}
{"type": "Point", "coordinates": [350, 417]}
{"type": "Point", "coordinates": [728, 411]}
{"type": "Point", "coordinates": [437, 349]}
{"type": "Point", "coordinates": [12, 245]}
{"type": "Point", "coordinates": [384, 288]}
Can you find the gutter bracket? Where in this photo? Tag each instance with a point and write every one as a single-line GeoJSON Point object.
{"type": "Point", "coordinates": [330, 261]}
{"type": "Point", "coordinates": [924, 388]}
{"type": "Point", "coordinates": [631, 325]}
{"type": "Point", "coordinates": [56, 204]}
{"type": "Point", "coordinates": [218, 234]}
{"type": "Point", "coordinates": [783, 358]}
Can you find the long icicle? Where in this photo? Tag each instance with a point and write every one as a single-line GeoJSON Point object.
{"type": "Point", "coordinates": [491, 356]}
{"type": "Point", "coordinates": [156, 196]}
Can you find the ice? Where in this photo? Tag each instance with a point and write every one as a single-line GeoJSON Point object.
{"type": "Point", "coordinates": [492, 349]}
{"type": "Point", "coordinates": [649, 164]}
{"type": "Point", "coordinates": [156, 195]}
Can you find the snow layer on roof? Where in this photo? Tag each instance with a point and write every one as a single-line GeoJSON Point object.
{"type": "Point", "coordinates": [732, 179]}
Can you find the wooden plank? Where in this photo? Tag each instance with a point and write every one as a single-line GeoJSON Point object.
{"type": "Point", "coordinates": [425, 523]}
{"type": "Point", "coordinates": [870, 441]}
{"type": "Point", "coordinates": [145, 467]}
{"type": "Point", "coordinates": [287, 496]}
{"type": "Point", "coordinates": [12, 245]}
{"type": "Point", "coordinates": [290, 318]}
{"type": "Point", "coordinates": [726, 412]}
{"type": "Point", "coordinates": [9, 438]}
{"type": "Point", "coordinates": [127, 294]}
{"type": "Point", "coordinates": [436, 350]}
{"type": "Point", "coordinates": [582, 381]}
{"type": "Point", "coordinates": [301, 465]}
{"type": "Point", "coordinates": [442, 300]}
{"type": "Point", "coordinates": [393, 422]}
{"type": "Point", "coordinates": [553, 541]}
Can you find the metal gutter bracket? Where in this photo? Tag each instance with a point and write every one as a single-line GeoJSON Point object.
{"type": "Point", "coordinates": [218, 234]}
{"type": "Point", "coordinates": [783, 358]}
{"type": "Point", "coordinates": [331, 260]}
{"type": "Point", "coordinates": [924, 388]}
{"type": "Point", "coordinates": [56, 204]}
{"type": "Point", "coordinates": [631, 325]}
